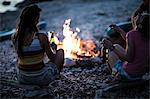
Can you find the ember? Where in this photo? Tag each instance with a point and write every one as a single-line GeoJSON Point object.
{"type": "Point", "coordinates": [87, 48]}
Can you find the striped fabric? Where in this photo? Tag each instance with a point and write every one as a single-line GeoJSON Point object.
{"type": "Point", "coordinates": [32, 57]}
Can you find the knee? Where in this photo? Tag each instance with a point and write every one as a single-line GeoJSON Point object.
{"type": "Point", "coordinates": [119, 48]}
{"type": "Point", "coordinates": [60, 52]}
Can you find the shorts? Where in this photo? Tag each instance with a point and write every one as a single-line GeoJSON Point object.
{"type": "Point", "coordinates": [42, 77]}
{"type": "Point", "coordinates": [119, 67]}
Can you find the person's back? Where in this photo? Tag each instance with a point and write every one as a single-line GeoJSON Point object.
{"type": "Point", "coordinates": [31, 67]}
{"type": "Point", "coordinates": [33, 56]}
{"type": "Point", "coordinates": [141, 56]}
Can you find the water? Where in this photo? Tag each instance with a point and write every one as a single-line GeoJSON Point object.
{"type": "Point", "coordinates": [11, 7]}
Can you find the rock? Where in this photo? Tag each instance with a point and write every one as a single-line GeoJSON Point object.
{"type": "Point", "coordinates": [101, 14]}
{"type": "Point", "coordinates": [36, 93]}
{"type": "Point", "coordinates": [146, 76]}
{"type": "Point", "coordinates": [96, 59]}
{"type": "Point", "coordinates": [6, 3]}
{"type": "Point", "coordinates": [10, 70]}
{"type": "Point", "coordinates": [98, 94]}
{"type": "Point", "coordinates": [69, 62]}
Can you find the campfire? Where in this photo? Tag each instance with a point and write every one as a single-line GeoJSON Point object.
{"type": "Point", "coordinates": [75, 47]}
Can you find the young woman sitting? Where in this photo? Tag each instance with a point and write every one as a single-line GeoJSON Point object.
{"type": "Point", "coordinates": [31, 47]}
{"type": "Point", "coordinates": [131, 63]}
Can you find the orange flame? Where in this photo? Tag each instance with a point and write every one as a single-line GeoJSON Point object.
{"type": "Point", "coordinates": [73, 45]}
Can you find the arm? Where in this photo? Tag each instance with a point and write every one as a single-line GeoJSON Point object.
{"type": "Point", "coordinates": [46, 46]}
{"type": "Point", "coordinates": [125, 55]}
{"type": "Point", "coordinates": [128, 54]}
{"type": "Point", "coordinates": [123, 34]}
{"type": "Point", "coordinates": [13, 38]}
{"type": "Point", "coordinates": [121, 31]}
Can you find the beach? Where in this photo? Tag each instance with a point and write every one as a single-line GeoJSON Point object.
{"type": "Point", "coordinates": [93, 17]}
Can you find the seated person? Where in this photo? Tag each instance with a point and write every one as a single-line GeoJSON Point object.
{"type": "Point", "coordinates": [31, 47]}
{"type": "Point", "coordinates": [132, 62]}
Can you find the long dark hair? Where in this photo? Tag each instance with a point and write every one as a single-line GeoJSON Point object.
{"type": "Point", "coordinates": [27, 25]}
{"type": "Point", "coordinates": [143, 24]}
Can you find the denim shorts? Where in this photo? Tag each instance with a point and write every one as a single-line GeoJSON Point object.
{"type": "Point", "coordinates": [119, 67]}
{"type": "Point", "coordinates": [42, 77]}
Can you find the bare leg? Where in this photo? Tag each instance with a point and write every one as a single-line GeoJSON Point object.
{"type": "Point", "coordinates": [59, 61]}
{"type": "Point", "coordinates": [113, 56]}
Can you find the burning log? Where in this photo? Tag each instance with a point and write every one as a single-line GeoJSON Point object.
{"type": "Point", "coordinates": [75, 47]}
{"type": "Point", "coordinates": [83, 56]}
{"type": "Point", "coordinates": [83, 61]}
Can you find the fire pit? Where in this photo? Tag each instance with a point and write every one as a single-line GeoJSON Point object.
{"type": "Point", "coordinates": [75, 48]}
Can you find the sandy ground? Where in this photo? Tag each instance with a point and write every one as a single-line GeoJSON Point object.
{"type": "Point", "coordinates": [91, 16]}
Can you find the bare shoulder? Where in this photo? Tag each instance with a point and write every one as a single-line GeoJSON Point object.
{"type": "Point", "coordinates": [43, 38]}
